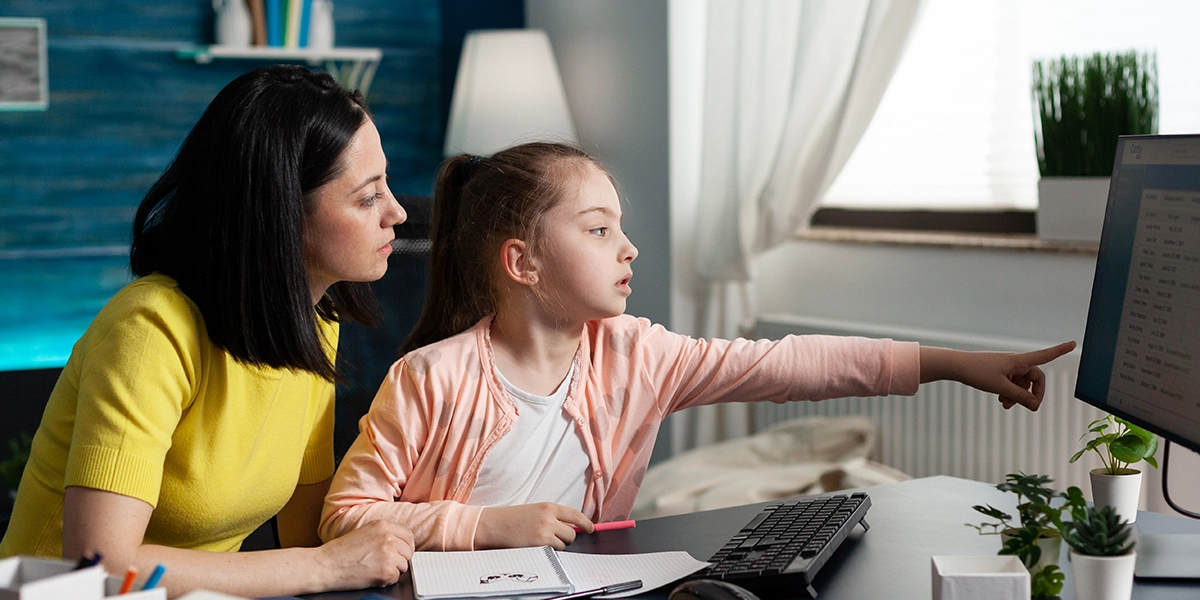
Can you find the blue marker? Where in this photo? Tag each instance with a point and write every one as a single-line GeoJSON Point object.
{"type": "Point", "coordinates": [155, 575]}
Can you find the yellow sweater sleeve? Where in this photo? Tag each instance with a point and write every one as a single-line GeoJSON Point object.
{"type": "Point", "coordinates": [138, 375]}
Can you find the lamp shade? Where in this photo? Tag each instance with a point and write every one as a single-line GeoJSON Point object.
{"type": "Point", "coordinates": [507, 91]}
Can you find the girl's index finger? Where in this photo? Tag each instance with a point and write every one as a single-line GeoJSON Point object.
{"type": "Point", "coordinates": [1045, 355]}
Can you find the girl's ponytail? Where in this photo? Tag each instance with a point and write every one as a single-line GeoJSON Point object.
{"type": "Point", "coordinates": [449, 301]}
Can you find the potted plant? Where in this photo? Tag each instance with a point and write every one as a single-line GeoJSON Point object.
{"type": "Point", "coordinates": [1102, 556]}
{"type": "Point", "coordinates": [1035, 538]}
{"type": "Point", "coordinates": [1119, 444]}
{"type": "Point", "coordinates": [1081, 105]}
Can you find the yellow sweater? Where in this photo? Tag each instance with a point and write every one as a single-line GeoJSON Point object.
{"type": "Point", "coordinates": [148, 407]}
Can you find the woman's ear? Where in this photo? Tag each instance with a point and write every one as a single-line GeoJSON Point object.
{"type": "Point", "coordinates": [517, 262]}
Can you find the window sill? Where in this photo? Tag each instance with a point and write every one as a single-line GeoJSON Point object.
{"type": "Point", "coordinates": [1021, 242]}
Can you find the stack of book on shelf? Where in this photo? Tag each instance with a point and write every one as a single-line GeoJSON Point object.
{"type": "Point", "coordinates": [281, 23]}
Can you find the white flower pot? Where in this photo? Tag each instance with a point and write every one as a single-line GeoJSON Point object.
{"type": "Point", "coordinates": [1051, 546]}
{"type": "Point", "coordinates": [1071, 209]}
{"type": "Point", "coordinates": [1118, 491]}
{"type": "Point", "coordinates": [1103, 577]}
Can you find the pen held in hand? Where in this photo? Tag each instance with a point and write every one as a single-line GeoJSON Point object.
{"type": "Point", "coordinates": [615, 588]}
{"type": "Point", "coordinates": [609, 526]}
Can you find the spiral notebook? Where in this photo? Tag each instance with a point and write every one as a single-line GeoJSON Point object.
{"type": "Point", "coordinates": [540, 572]}
{"type": "Point", "coordinates": [487, 573]}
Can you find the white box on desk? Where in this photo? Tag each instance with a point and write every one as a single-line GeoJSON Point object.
{"type": "Point", "coordinates": [979, 578]}
{"type": "Point", "coordinates": [27, 578]}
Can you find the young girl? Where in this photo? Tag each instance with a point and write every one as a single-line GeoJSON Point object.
{"type": "Point", "coordinates": [528, 403]}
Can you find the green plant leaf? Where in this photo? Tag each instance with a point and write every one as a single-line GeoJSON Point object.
{"type": "Point", "coordinates": [1151, 450]}
{"type": "Point", "coordinates": [1129, 448]}
{"type": "Point", "coordinates": [993, 512]}
{"type": "Point", "coordinates": [1134, 429]}
{"type": "Point", "coordinates": [1047, 582]}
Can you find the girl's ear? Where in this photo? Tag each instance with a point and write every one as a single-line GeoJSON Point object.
{"type": "Point", "coordinates": [517, 262]}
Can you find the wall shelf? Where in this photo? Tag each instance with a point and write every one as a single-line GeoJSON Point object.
{"type": "Point", "coordinates": [354, 68]}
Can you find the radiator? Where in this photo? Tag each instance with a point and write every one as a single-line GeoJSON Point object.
{"type": "Point", "coordinates": [952, 429]}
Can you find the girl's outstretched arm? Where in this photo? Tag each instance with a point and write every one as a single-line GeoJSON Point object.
{"type": "Point", "coordinates": [1015, 377]}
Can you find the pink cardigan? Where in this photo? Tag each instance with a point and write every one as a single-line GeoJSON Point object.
{"type": "Point", "coordinates": [441, 409]}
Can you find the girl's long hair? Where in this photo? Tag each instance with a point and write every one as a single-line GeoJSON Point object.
{"type": "Point", "coordinates": [478, 203]}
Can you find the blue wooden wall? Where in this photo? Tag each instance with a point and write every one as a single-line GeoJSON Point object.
{"type": "Point", "coordinates": [120, 104]}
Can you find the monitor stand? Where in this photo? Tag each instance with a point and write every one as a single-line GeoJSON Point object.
{"type": "Point", "coordinates": [1167, 556]}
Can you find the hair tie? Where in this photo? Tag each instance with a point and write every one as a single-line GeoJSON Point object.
{"type": "Point", "coordinates": [470, 165]}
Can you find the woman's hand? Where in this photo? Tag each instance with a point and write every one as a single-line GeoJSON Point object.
{"type": "Point", "coordinates": [1015, 377]}
{"type": "Point", "coordinates": [374, 555]}
{"type": "Point", "coordinates": [542, 524]}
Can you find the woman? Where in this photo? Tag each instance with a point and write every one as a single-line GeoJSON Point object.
{"type": "Point", "coordinates": [199, 403]}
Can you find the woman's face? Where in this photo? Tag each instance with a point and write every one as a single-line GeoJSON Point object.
{"type": "Point", "coordinates": [348, 233]}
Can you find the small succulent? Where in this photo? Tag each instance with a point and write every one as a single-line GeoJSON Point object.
{"type": "Point", "coordinates": [1101, 532]}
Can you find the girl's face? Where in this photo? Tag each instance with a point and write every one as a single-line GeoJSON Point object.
{"type": "Point", "coordinates": [584, 263]}
{"type": "Point", "coordinates": [348, 234]}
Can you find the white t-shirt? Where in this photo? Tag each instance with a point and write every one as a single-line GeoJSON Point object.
{"type": "Point", "coordinates": [540, 460]}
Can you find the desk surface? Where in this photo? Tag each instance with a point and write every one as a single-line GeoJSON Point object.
{"type": "Point", "coordinates": [910, 521]}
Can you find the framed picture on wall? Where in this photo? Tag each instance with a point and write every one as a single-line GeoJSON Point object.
{"type": "Point", "coordinates": [24, 77]}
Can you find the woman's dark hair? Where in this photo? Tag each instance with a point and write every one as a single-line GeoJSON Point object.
{"type": "Point", "coordinates": [478, 203]}
{"type": "Point", "coordinates": [226, 218]}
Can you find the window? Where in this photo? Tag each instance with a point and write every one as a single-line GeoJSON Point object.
{"type": "Point", "coordinates": [955, 129]}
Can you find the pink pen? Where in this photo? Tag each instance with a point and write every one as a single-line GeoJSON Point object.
{"type": "Point", "coordinates": [610, 526]}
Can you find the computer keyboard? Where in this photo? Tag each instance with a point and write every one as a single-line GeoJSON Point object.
{"type": "Point", "coordinates": [778, 553]}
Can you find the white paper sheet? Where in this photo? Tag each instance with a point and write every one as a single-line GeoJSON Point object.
{"type": "Point", "coordinates": [591, 571]}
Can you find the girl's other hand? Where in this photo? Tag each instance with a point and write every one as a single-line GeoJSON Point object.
{"type": "Point", "coordinates": [541, 524]}
{"type": "Point", "coordinates": [1015, 377]}
{"type": "Point", "coordinates": [374, 555]}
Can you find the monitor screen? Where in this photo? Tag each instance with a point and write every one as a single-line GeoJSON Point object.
{"type": "Point", "coordinates": [1141, 349]}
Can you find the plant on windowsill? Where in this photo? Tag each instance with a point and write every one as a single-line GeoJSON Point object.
{"type": "Point", "coordinates": [1081, 106]}
{"type": "Point", "coordinates": [1102, 555]}
{"type": "Point", "coordinates": [1119, 444]}
{"type": "Point", "coordinates": [1036, 537]}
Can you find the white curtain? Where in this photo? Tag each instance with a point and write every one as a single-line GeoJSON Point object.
{"type": "Point", "coordinates": [789, 88]}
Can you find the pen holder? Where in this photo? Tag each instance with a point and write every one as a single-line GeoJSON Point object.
{"type": "Point", "coordinates": [28, 578]}
{"type": "Point", "coordinates": [112, 587]}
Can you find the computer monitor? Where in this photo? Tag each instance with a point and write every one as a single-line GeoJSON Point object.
{"type": "Point", "coordinates": [1141, 348]}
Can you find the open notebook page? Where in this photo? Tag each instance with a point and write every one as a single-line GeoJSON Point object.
{"type": "Point", "coordinates": [591, 571]}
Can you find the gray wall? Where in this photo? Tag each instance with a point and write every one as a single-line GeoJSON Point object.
{"type": "Point", "coordinates": [613, 59]}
